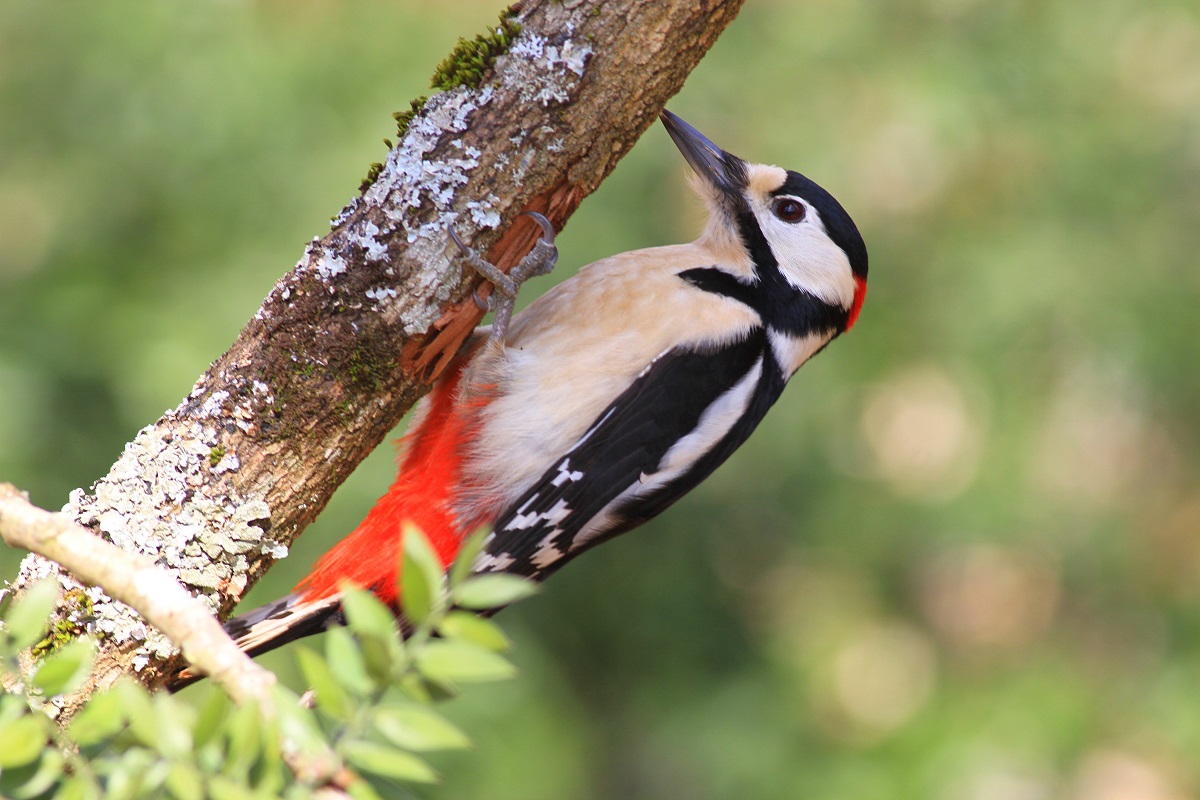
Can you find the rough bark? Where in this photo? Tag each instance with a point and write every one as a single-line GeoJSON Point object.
{"type": "Point", "coordinates": [134, 579]}
{"type": "Point", "coordinates": [347, 340]}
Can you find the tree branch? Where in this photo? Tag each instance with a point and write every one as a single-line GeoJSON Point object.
{"type": "Point", "coordinates": [345, 343]}
{"type": "Point", "coordinates": [136, 581]}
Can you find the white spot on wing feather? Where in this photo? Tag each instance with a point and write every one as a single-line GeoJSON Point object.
{"type": "Point", "coordinates": [521, 521]}
{"type": "Point", "coordinates": [556, 514]}
{"type": "Point", "coordinates": [548, 552]}
{"type": "Point", "coordinates": [487, 562]}
{"type": "Point", "coordinates": [565, 473]}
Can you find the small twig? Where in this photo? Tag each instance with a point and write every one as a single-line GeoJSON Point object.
{"type": "Point", "coordinates": [139, 583]}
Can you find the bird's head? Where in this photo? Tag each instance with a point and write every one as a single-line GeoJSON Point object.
{"type": "Point", "coordinates": [768, 220]}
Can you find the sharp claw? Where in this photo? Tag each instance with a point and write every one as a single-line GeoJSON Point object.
{"type": "Point", "coordinates": [501, 281]}
{"type": "Point", "coordinates": [546, 226]}
{"type": "Point", "coordinates": [466, 250]}
{"type": "Point", "coordinates": [539, 261]}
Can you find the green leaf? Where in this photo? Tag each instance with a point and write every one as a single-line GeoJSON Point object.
{"type": "Point", "coordinates": [367, 616]}
{"type": "Point", "coordinates": [221, 787]}
{"type": "Point", "coordinates": [361, 790]}
{"type": "Point", "coordinates": [420, 576]}
{"type": "Point", "coordinates": [212, 715]}
{"type": "Point", "coordinates": [245, 743]}
{"type": "Point", "coordinates": [102, 718]}
{"type": "Point", "coordinates": [118, 782]}
{"type": "Point", "coordinates": [388, 762]}
{"type": "Point", "coordinates": [459, 662]}
{"type": "Point", "coordinates": [492, 591]}
{"type": "Point", "coordinates": [155, 777]}
{"type": "Point", "coordinates": [174, 724]}
{"type": "Point", "coordinates": [139, 710]}
{"type": "Point", "coordinates": [78, 787]}
{"type": "Point", "coordinates": [381, 659]}
{"type": "Point", "coordinates": [331, 695]}
{"type": "Point", "coordinates": [300, 730]}
{"type": "Point", "coordinates": [185, 782]}
{"type": "Point", "coordinates": [346, 660]}
{"type": "Point", "coordinates": [22, 740]}
{"type": "Point", "coordinates": [267, 774]}
{"type": "Point", "coordinates": [471, 628]}
{"type": "Point", "coordinates": [34, 778]}
{"type": "Point", "coordinates": [135, 773]}
{"type": "Point", "coordinates": [420, 689]}
{"type": "Point", "coordinates": [30, 614]}
{"type": "Point", "coordinates": [11, 707]}
{"type": "Point", "coordinates": [418, 728]}
{"type": "Point", "coordinates": [464, 562]}
{"type": "Point", "coordinates": [378, 634]}
{"type": "Point", "coordinates": [64, 670]}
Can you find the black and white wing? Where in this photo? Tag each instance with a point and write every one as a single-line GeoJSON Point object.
{"type": "Point", "coordinates": [682, 417]}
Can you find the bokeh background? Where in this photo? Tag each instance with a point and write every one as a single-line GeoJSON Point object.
{"type": "Point", "coordinates": [960, 560]}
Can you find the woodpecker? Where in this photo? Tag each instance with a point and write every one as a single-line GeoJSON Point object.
{"type": "Point", "coordinates": [609, 397]}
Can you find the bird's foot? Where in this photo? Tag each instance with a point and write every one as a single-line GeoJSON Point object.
{"type": "Point", "coordinates": [539, 261]}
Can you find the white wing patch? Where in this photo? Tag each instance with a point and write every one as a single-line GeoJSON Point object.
{"type": "Point", "coordinates": [714, 423]}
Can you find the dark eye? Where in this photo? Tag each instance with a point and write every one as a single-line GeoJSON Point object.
{"type": "Point", "coordinates": [788, 209]}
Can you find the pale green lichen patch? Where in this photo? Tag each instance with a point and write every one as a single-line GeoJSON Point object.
{"type": "Point", "coordinates": [157, 500]}
{"type": "Point", "coordinates": [465, 67]}
{"type": "Point", "coordinates": [545, 72]}
{"type": "Point", "coordinates": [417, 190]}
{"type": "Point", "coordinates": [414, 180]}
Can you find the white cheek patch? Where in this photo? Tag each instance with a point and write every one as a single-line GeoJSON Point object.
{"type": "Point", "coordinates": [808, 259]}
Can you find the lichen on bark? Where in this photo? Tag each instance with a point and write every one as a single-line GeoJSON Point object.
{"type": "Point", "coordinates": [349, 338]}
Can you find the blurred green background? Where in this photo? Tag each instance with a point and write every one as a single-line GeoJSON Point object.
{"type": "Point", "coordinates": [961, 558]}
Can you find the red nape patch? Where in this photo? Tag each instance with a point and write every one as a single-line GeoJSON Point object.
{"type": "Point", "coordinates": [429, 472]}
{"type": "Point", "coordinates": [860, 294]}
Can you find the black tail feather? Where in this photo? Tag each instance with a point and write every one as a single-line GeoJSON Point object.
{"type": "Point", "coordinates": [262, 629]}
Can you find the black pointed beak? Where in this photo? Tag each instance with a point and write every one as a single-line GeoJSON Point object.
{"type": "Point", "coordinates": [724, 171]}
